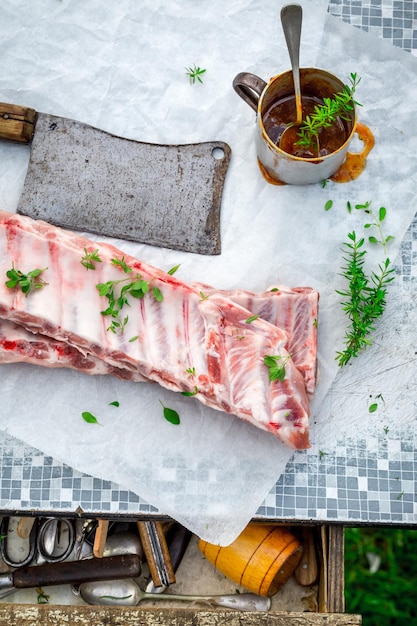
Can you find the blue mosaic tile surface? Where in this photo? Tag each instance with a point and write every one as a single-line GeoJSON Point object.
{"type": "Point", "coordinates": [355, 483]}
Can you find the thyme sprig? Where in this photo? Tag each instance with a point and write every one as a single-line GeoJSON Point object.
{"type": "Point", "coordinates": [90, 259]}
{"type": "Point", "coordinates": [27, 282]}
{"type": "Point", "coordinates": [326, 114]}
{"type": "Point", "coordinates": [364, 298]}
{"type": "Point", "coordinates": [194, 73]}
{"type": "Point", "coordinates": [276, 365]}
{"type": "Point", "coordinates": [134, 286]}
{"type": "Point", "coordinates": [381, 239]}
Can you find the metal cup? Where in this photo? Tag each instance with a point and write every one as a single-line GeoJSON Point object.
{"type": "Point", "coordinates": [276, 164]}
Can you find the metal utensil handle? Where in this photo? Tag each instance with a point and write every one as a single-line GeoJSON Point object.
{"type": "Point", "coordinates": [107, 568]}
{"type": "Point", "coordinates": [291, 19]}
{"type": "Point", "coordinates": [249, 87]}
{"type": "Point", "coordinates": [237, 601]}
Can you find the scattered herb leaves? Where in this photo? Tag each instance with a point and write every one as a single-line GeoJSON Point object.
{"type": "Point", "coordinates": [190, 371]}
{"type": "Point", "coordinates": [170, 415]}
{"type": "Point", "coordinates": [194, 73]}
{"type": "Point", "coordinates": [90, 259]}
{"type": "Point", "coordinates": [118, 298]}
{"type": "Point", "coordinates": [26, 282]}
{"type": "Point", "coordinates": [276, 366]}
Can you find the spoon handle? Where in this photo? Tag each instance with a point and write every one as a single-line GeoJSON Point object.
{"type": "Point", "coordinates": [236, 601]}
{"type": "Point", "coordinates": [291, 20]}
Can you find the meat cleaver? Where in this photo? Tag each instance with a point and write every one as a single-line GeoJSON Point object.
{"type": "Point", "coordinates": [85, 179]}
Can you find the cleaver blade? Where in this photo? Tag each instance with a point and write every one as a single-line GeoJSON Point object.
{"type": "Point", "coordinates": [86, 179]}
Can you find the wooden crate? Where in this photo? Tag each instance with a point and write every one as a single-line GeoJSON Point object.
{"type": "Point", "coordinates": [326, 610]}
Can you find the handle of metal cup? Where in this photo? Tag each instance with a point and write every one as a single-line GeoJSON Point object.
{"type": "Point", "coordinates": [249, 87]}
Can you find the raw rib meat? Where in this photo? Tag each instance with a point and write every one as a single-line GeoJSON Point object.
{"type": "Point", "coordinates": [295, 311]}
{"type": "Point", "coordinates": [17, 345]}
{"type": "Point", "coordinates": [165, 341]}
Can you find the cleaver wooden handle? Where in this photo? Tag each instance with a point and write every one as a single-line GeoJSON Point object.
{"type": "Point", "coordinates": [107, 568]}
{"type": "Point", "coordinates": [17, 123]}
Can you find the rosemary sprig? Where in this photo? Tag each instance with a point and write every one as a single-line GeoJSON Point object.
{"type": "Point", "coordinates": [326, 114]}
{"type": "Point", "coordinates": [194, 73]}
{"type": "Point", "coordinates": [365, 298]}
{"type": "Point", "coordinates": [27, 282]}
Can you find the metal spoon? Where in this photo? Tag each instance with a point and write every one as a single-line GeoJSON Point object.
{"type": "Point", "coordinates": [291, 18]}
{"type": "Point", "coordinates": [127, 593]}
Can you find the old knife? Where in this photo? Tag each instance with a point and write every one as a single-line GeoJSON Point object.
{"type": "Point", "coordinates": [85, 179]}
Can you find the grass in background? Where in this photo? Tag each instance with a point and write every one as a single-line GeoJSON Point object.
{"type": "Point", "coordinates": [381, 575]}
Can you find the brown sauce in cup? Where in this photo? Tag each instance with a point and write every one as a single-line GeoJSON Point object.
{"type": "Point", "coordinates": [281, 115]}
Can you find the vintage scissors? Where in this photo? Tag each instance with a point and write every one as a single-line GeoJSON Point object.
{"type": "Point", "coordinates": [50, 540]}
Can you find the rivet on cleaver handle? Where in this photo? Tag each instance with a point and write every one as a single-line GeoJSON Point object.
{"type": "Point", "coordinates": [86, 179]}
{"type": "Point", "coordinates": [107, 568]}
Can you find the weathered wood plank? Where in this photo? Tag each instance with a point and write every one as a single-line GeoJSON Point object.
{"type": "Point", "coordinates": [44, 615]}
{"type": "Point", "coordinates": [336, 569]}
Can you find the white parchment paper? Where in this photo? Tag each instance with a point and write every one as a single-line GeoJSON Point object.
{"type": "Point", "coordinates": [121, 67]}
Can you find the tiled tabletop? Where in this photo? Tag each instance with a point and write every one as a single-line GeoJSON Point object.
{"type": "Point", "coordinates": [358, 482]}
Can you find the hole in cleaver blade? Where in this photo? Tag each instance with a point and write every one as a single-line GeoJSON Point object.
{"type": "Point", "coordinates": [86, 179]}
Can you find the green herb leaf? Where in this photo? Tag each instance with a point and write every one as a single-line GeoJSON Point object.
{"type": "Point", "coordinates": [90, 418]}
{"type": "Point", "coordinates": [157, 294]}
{"type": "Point", "coordinates": [328, 205]}
{"type": "Point", "coordinates": [170, 415]}
{"type": "Point", "coordinates": [373, 407]}
{"type": "Point", "coordinates": [114, 403]}
{"type": "Point", "coordinates": [251, 319]}
{"type": "Point", "coordinates": [190, 393]}
{"type": "Point", "coordinates": [173, 270]}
